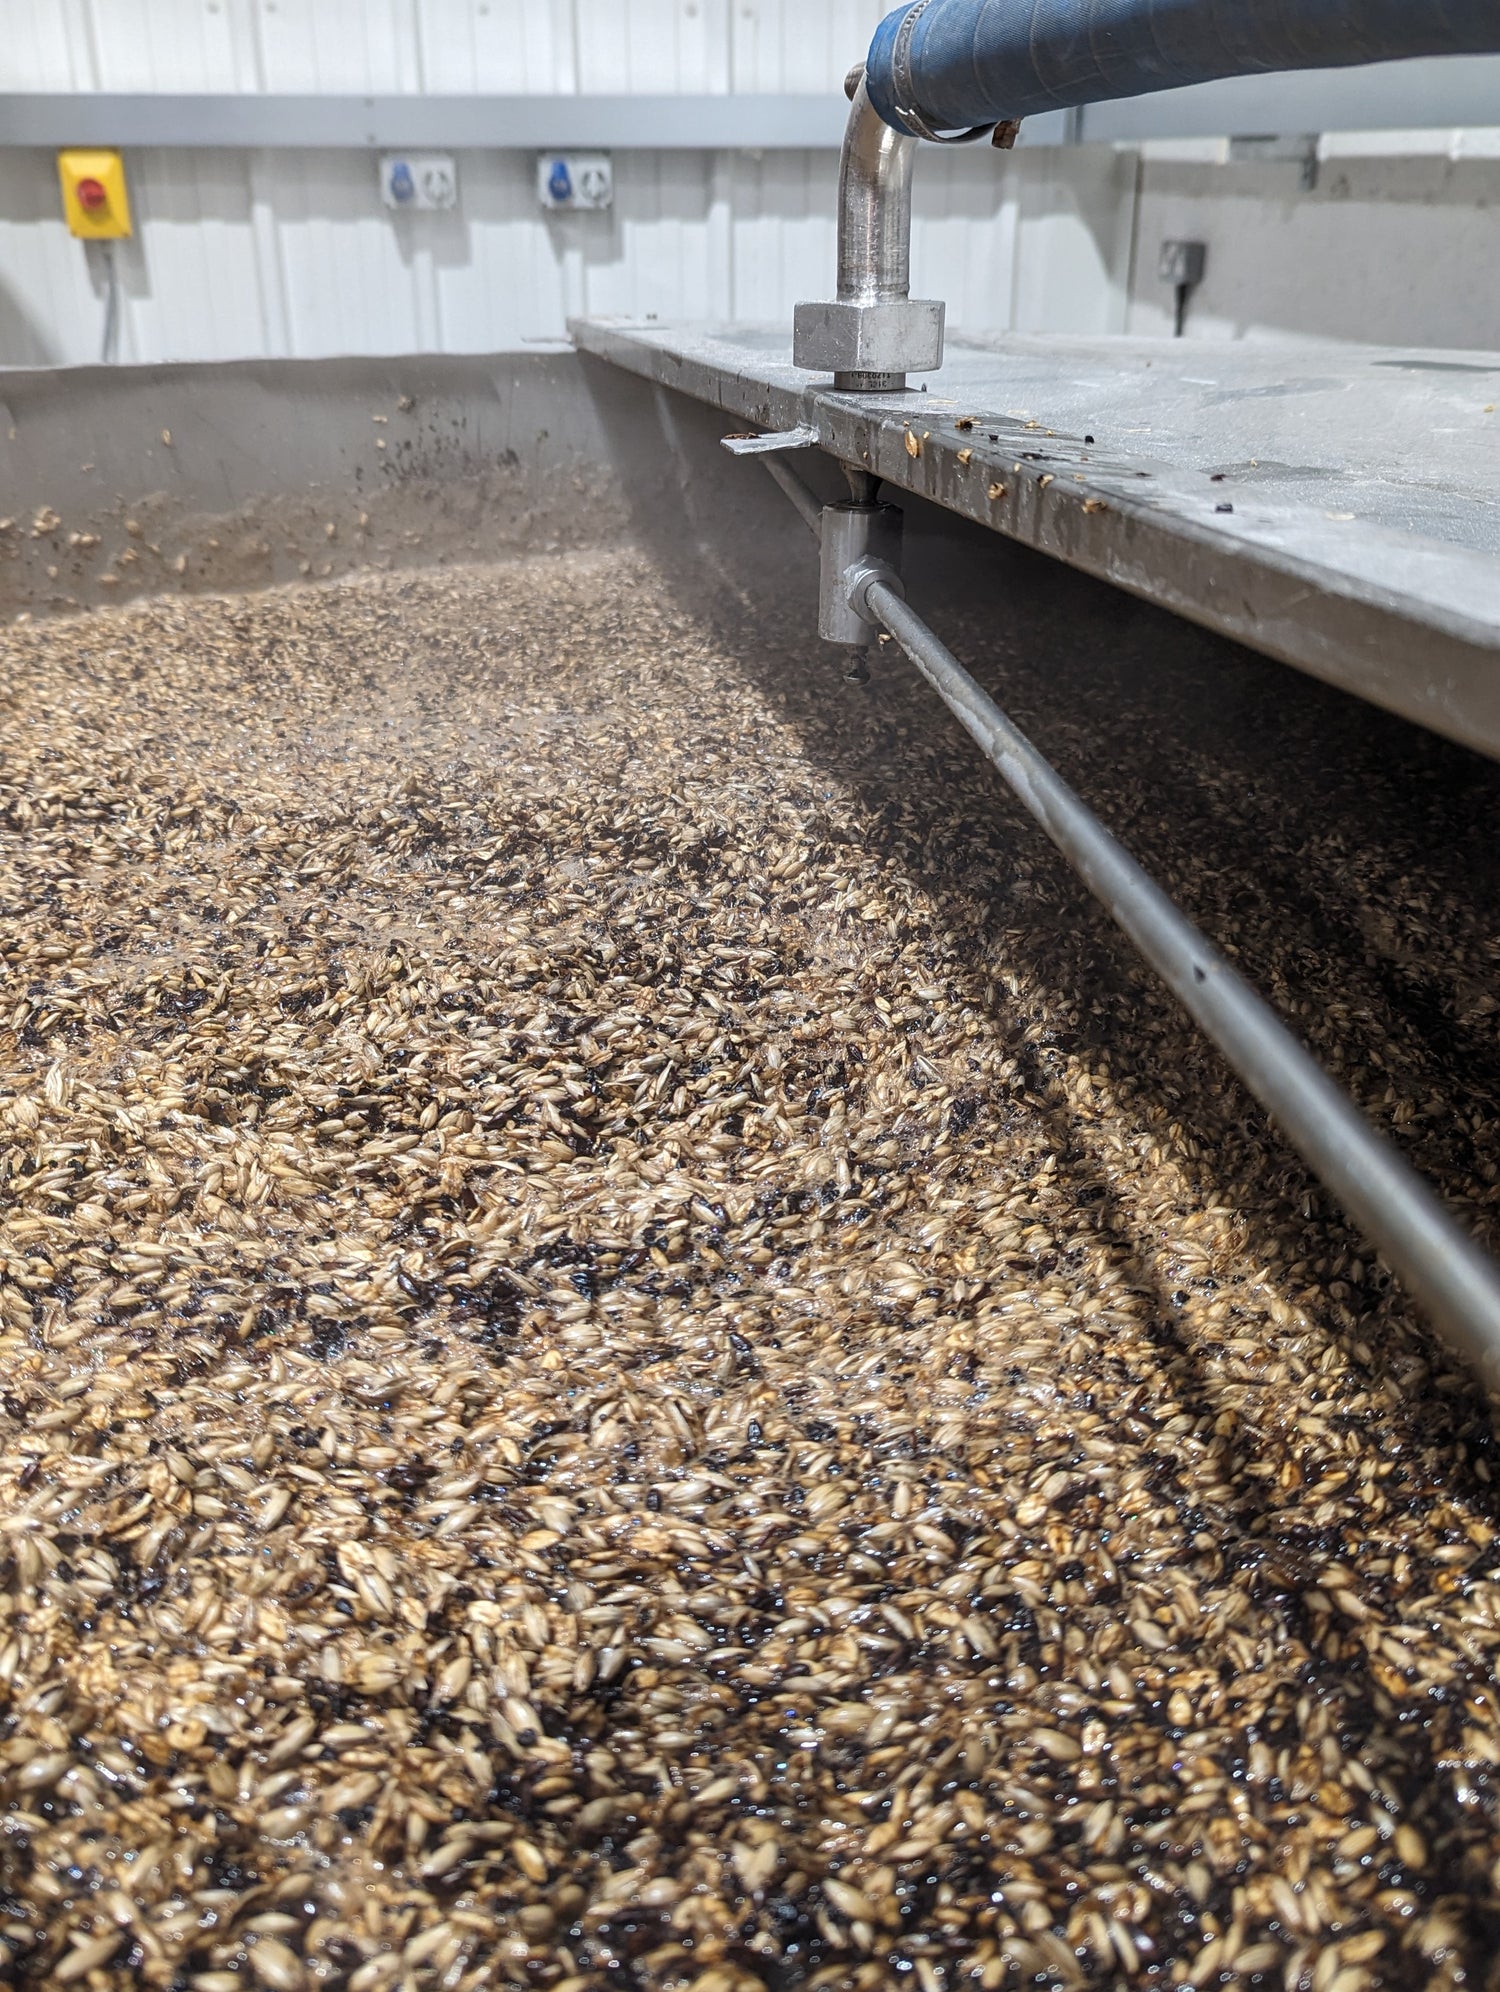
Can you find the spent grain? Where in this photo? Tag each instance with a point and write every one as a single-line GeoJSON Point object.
{"type": "Point", "coordinates": [635, 1354]}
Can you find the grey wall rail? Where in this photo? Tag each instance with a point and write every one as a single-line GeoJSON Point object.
{"type": "Point", "coordinates": [1395, 96]}
{"type": "Point", "coordinates": [1451, 1278]}
{"type": "Point", "coordinates": [1398, 96]}
{"type": "Point", "coordinates": [255, 119]}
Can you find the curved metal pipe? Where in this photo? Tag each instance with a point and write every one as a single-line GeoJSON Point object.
{"type": "Point", "coordinates": [874, 207]}
{"type": "Point", "coordinates": [874, 333]}
{"type": "Point", "coordinates": [874, 223]}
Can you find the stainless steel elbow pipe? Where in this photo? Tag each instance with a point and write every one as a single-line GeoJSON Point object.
{"type": "Point", "coordinates": [874, 333]}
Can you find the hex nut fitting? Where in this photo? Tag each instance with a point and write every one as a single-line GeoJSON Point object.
{"type": "Point", "coordinates": [895, 335]}
{"type": "Point", "coordinates": [861, 576]}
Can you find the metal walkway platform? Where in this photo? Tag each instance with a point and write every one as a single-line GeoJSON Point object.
{"type": "Point", "coordinates": [1337, 507]}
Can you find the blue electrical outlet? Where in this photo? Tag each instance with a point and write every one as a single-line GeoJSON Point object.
{"type": "Point", "coordinates": [577, 182]}
{"type": "Point", "coordinates": [418, 180]}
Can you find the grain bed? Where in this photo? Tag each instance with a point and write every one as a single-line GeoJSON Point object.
{"type": "Point", "coordinates": [635, 1354]}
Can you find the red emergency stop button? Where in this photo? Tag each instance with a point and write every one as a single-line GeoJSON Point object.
{"type": "Point", "coordinates": [96, 201]}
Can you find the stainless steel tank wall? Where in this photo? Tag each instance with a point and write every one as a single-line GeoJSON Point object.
{"type": "Point", "coordinates": [116, 482]}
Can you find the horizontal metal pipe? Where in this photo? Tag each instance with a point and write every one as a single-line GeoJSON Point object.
{"type": "Point", "coordinates": [808, 507]}
{"type": "Point", "coordinates": [1456, 1283]}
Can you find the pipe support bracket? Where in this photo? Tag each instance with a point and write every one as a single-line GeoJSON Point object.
{"type": "Point", "coordinates": [861, 544]}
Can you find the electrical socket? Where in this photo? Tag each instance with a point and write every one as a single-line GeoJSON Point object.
{"type": "Point", "coordinates": [1182, 262]}
{"type": "Point", "coordinates": [579, 182]}
{"type": "Point", "coordinates": [426, 181]}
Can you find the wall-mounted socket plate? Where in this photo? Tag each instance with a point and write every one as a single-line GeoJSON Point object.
{"type": "Point", "coordinates": [424, 180]}
{"type": "Point", "coordinates": [581, 182]}
{"type": "Point", "coordinates": [1182, 262]}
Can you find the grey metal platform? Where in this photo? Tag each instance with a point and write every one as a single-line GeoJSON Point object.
{"type": "Point", "coordinates": [1337, 507]}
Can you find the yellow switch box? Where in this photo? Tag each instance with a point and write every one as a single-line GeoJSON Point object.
{"type": "Point", "coordinates": [94, 197]}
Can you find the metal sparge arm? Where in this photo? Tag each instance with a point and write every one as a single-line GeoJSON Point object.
{"type": "Point", "coordinates": [808, 509]}
{"type": "Point", "coordinates": [1452, 1279]}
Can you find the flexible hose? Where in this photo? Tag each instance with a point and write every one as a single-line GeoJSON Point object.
{"type": "Point", "coordinates": [939, 65]}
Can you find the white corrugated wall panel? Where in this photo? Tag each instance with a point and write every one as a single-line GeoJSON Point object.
{"type": "Point", "coordinates": [504, 47]}
{"type": "Point", "coordinates": [349, 268]}
{"type": "Point", "coordinates": [504, 285]}
{"type": "Point", "coordinates": [245, 253]}
{"type": "Point", "coordinates": [248, 253]}
{"type": "Point", "coordinates": [662, 258]}
{"type": "Point", "coordinates": [191, 279]}
{"type": "Point", "coordinates": [337, 45]}
{"type": "Point", "coordinates": [50, 309]}
{"type": "Point", "coordinates": [653, 45]}
{"type": "Point", "coordinates": [800, 44]}
{"type": "Point", "coordinates": [1073, 239]}
{"type": "Point", "coordinates": [193, 45]}
{"type": "Point", "coordinates": [439, 45]}
{"type": "Point", "coordinates": [48, 47]}
{"type": "Point", "coordinates": [241, 254]}
{"type": "Point", "coordinates": [963, 232]}
{"type": "Point", "coordinates": [783, 232]}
